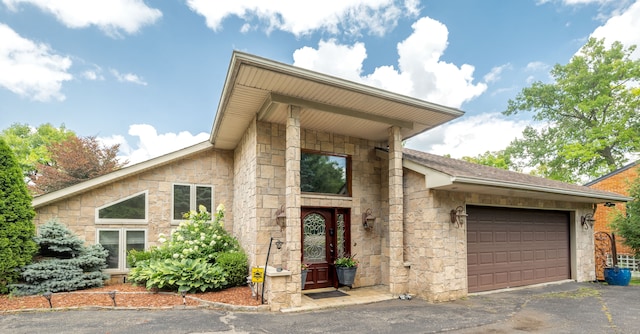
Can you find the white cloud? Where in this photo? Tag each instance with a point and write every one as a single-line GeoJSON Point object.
{"type": "Point", "coordinates": [623, 27]}
{"type": "Point", "coordinates": [303, 17]}
{"type": "Point", "coordinates": [494, 74]}
{"type": "Point", "coordinates": [151, 144]}
{"type": "Point", "coordinates": [128, 77]}
{"type": "Point", "coordinates": [31, 69]}
{"type": "Point", "coordinates": [420, 71]}
{"type": "Point", "coordinates": [469, 136]}
{"type": "Point", "coordinates": [92, 75]}
{"type": "Point", "coordinates": [536, 66]}
{"type": "Point", "coordinates": [324, 59]}
{"type": "Point", "coordinates": [111, 16]}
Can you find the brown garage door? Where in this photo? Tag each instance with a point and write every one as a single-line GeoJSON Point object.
{"type": "Point", "coordinates": [514, 247]}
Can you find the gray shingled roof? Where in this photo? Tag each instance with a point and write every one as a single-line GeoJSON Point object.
{"type": "Point", "coordinates": [463, 169]}
{"type": "Point", "coordinates": [617, 171]}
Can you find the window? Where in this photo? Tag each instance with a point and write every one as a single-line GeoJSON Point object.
{"type": "Point", "coordinates": [118, 242]}
{"type": "Point", "coordinates": [325, 173]}
{"type": "Point", "coordinates": [132, 209]}
{"type": "Point", "coordinates": [187, 197]}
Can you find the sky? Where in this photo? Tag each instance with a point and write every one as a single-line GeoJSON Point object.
{"type": "Point", "coordinates": [148, 74]}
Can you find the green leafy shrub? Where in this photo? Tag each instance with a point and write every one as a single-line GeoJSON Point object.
{"type": "Point", "coordinates": [627, 224]}
{"type": "Point", "coordinates": [64, 263]}
{"type": "Point", "coordinates": [16, 219]}
{"type": "Point", "coordinates": [189, 275]}
{"type": "Point", "coordinates": [190, 259]}
{"type": "Point", "coordinates": [134, 256]}
{"type": "Point", "coordinates": [235, 265]}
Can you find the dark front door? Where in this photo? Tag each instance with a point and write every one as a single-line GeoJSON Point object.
{"type": "Point", "coordinates": [325, 236]}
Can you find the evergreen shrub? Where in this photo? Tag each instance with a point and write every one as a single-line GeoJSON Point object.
{"type": "Point", "coordinates": [16, 219]}
{"type": "Point", "coordinates": [63, 263]}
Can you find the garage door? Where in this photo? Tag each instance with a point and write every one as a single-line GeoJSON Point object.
{"type": "Point", "coordinates": [514, 247]}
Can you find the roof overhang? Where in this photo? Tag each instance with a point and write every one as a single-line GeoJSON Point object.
{"type": "Point", "coordinates": [263, 89]}
{"type": "Point", "coordinates": [442, 181]}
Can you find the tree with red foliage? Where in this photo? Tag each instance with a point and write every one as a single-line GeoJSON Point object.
{"type": "Point", "coordinates": [74, 160]}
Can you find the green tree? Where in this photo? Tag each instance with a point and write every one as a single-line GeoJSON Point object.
{"type": "Point", "coordinates": [498, 159]}
{"type": "Point", "coordinates": [591, 112]}
{"type": "Point", "coordinates": [16, 219]}
{"type": "Point", "coordinates": [74, 160]}
{"type": "Point", "coordinates": [627, 224]}
{"type": "Point", "coordinates": [30, 145]}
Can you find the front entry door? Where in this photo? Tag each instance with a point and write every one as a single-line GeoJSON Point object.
{"type": "Point", "coordinates": [325, 236]}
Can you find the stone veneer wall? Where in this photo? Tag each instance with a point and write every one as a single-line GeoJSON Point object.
{"type": "Point", "coordinates": [436, 249]}
{"type": "Point", "coordinates": [212, 167]}
{"type": "Point", "coordinates": [366, 177]}
{"type": "Point", "coordinates": [244, 205]}
{"type": "Point", "coordinates": [270, 194]}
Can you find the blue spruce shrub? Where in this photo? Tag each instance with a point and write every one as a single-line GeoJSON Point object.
{"type": "Point", "coordinates": [63, 263]}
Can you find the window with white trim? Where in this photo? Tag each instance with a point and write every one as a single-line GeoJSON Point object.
{"type": "Point", "coordinates": [118, 242]}
{"type": "Point", "coordinates": [188, 197]}
{"type": "Point", "coordinates": [129, 210]}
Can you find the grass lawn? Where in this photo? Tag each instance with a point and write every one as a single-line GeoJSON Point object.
{"type": "Point", "coordinates": [635, 281]}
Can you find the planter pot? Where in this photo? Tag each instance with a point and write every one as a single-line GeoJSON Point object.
{"type": "Point", "coordinates": [303, 274]}
{"type": "Point", "coordinates": [346, 276]}
{"type": "Point", "coordinates": [617, 276]}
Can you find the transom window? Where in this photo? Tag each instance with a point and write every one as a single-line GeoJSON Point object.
{"type": "Point", "coordinates": [325, 173]}
{"type": "Point", "coordinates": [118, 242]}
{"type": "Point", "coordinates": [187, 197]}
{"type": "Point", "coordinates": [132, 209]}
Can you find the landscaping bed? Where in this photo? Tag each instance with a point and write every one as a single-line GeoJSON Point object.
{"type": "Point", "coordinates": [127, 295]}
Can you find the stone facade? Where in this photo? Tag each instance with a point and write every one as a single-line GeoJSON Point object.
{"type": "Point", "coordinates": [436, 250]}
{"type": "Point", "coordinates": [78, 213]}
{"type": "Point", "coordinates": [412, 247]}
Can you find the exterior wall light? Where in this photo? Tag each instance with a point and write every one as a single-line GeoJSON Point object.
{"type": "Point", "coordinates": [281, 218]}
{"type": "Point", "coordinates": [587, 221]}
{"type": "Point", "coordinates": [458, 216]}
{"type": "Point", "coordinates": [368, 219]}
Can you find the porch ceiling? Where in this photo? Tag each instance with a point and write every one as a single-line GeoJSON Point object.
{"type": "Point", "coordinates": [258, 87]}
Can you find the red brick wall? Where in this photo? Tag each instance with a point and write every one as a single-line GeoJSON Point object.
{"type": "Point", "coordinates": [617, 183]}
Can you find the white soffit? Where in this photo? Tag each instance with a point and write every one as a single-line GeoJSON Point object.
{"type": "Point", "coordinates": [258, 87]}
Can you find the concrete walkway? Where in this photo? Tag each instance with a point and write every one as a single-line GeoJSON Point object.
{"type": "Point", "coordinates": [357, 296]}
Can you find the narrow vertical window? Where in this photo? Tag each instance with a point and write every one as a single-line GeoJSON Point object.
{"type": "Point", "coordinates": [189, 197]}
{"type": "Point", "coordinates": [110, 240]}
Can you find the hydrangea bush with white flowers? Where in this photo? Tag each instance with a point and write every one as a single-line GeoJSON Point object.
{"type": "Point", "coordinates": [200, 255]}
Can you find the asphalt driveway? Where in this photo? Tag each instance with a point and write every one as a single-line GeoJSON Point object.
{"type": "Point", "coordinates": [563, 308]}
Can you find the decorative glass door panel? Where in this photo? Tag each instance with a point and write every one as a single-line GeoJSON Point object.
{"type": "Point", "coordinates": [315, 238]}
{"type": "Point", "coordinates": [324, 237]}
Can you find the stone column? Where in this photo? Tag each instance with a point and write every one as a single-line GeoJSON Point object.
{"type": "Point", "coordinates": [397, 272]}
{"type": "Point", "coordinates": [292, 193]}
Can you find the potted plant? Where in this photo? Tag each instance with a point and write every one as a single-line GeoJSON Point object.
{"type": "Point", "coordinates": [346, 267]}
{"type": "Point", "coordinates": [304, 270]}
